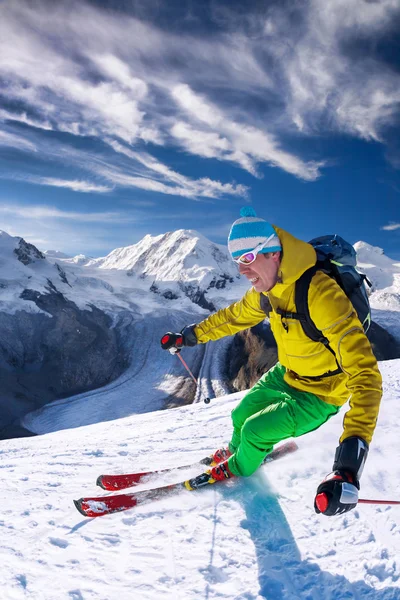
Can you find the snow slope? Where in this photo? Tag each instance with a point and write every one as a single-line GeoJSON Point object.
{"type": "Point", "coordinates": [151, 377]}
{"type": "Point", "coordinates": [248, 539]}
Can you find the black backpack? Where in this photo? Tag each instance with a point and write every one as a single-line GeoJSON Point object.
{"type": "Point", "coordinates": [337, 258]}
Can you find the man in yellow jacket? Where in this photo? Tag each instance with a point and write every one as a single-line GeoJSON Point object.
{"type": "Point", "coordinates": [310, 383]}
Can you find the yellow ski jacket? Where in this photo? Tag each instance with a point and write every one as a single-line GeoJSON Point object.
{"type": "Point", "coordinates": [306, 360]}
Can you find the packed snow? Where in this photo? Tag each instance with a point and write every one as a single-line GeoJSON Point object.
{"type": "Point", "coordinates": [254, 538]}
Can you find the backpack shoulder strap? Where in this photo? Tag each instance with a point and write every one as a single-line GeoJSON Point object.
{"type": "Point", "coordinates": [301, 300]}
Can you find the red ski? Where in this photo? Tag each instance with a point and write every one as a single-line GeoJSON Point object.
{"type": "Point", "coordinates": [121, 482]}
{"type": "Point", "coordinates": [104, 505]}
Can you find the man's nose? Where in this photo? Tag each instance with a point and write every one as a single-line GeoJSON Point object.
{"type": "Point", "coordinates": [243, 269]}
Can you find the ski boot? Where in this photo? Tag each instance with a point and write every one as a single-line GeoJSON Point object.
{"type": "Point", "coordinates": [219, 456]}
{"type": "Point", "coordinates": [219, 472]}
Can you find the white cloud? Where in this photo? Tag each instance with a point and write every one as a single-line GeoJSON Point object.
{"type": "Point", "coordinates": [192, 189]}
{"type": "Point", "coordinates": [240, 143]}
{"type": "Point", "coordinates": [16, 141]}
{"type": "Point", "coordinates": [181, 185]}
{"type": "Point", "coordinates": [48, 212]}
{"type": "Point", "coordinates": [117, 70]}
{"type": "Point", "coordinates": [391, 227]}
{"type": "Point", "coordinates": [76, 185]}
{"type": "Point", "coordinates": [132, 81]}
{"type": "Point", "coordinates": [332, 85]}
{"type": "Point", "coordinates": [24, 118]}
{"type": "Point", "coordinates": [197, 106]}
{"type": "Point", "coordinates": [203, 143]}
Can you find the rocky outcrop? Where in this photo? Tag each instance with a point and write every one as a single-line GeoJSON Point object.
{"type": "Point", "coordinates": [384, 345]}
{"type": "Point", "coordinates": [28, 253]}
{"type": "Point", "coordinates": [197, 296]}
{"type": "Point", "coordinates": [53, 354]}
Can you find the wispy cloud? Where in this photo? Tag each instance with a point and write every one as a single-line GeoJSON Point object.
{"type": "Point", "coordinates": [391, 227]}
{"type": "Point", "coordinates": [22, 117]}
{"type": "Point", "coordinates": [48, 212]}
{"type": "Point", "coordinates": [335, 78]}
{"type": "Point", "coordinates": [243, 144]}
{"type": "Point", "coordinates": [233, 96]}
{"type": "Point", "coordinates": [76, 185]}
{"type": "Point", "coordinates": [68, 230]}
{"type": "Point", "coordinates": [167, 181]}
{"type": "Point", "coordinates": [15, 141]}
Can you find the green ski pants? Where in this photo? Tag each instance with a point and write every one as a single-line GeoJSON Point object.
{"type": "Point", "coordinates": [270, 412]}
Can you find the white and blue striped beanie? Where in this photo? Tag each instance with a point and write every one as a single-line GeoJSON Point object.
{"type": "Point", "coordinates": [249, 231]}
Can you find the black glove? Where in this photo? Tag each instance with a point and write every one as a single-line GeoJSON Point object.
{"type": "Point", "coordinates": [338, 493]}
{"type": "Point", "coordinates": [174, 341]}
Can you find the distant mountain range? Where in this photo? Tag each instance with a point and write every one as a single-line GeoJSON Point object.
{"type": "Point", "coordinates": [69, 325]}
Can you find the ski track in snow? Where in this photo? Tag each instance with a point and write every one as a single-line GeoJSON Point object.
{"type": "Point", "coordinates": [249, 539]}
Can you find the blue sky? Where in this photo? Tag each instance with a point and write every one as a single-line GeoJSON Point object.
{"type": "Point", "coordinates": [119, 119]}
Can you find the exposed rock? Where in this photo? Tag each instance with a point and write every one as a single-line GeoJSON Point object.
{"type": "Point", "coordinates": [220, 283]}
{"type": "Point", "coordinates": [384, 345]}
{"type": "Point", "coordinates": [168, 294]}
{"type": "Point", "coordinates": [28, 253]}
{"type": "Point", "coordinates": [197, 295]}
{"type": "Point", "coordinates": [253, 353]}
{"type": "Point", "coordinates": [43, 358]}
{"type": "Point", "coordinates": [63, 276]}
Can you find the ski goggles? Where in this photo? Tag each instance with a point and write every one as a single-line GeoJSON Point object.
{"type": "Point", "coordinates": [249, 257]}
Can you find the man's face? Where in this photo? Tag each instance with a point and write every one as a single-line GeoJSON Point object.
{"type": "Point", "coordinates": [263, 272]}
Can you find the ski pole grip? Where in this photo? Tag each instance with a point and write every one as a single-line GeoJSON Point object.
{"type": "Point", "coordinates": [172, 342]}
{"type": "Point", "coordinates": [165, 341]}
{"type": "Point", "coordinates": [322, 502]}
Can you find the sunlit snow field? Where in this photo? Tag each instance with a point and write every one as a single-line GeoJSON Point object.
{"type": "Point", "coordinates": [246, 539]}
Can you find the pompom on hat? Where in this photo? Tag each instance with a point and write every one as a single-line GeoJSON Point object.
{"type": "Point", "coordinates": [249, 231]}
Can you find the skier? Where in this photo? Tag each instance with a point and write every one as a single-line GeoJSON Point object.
{"type": "Point", "coordinates": [311, 381]}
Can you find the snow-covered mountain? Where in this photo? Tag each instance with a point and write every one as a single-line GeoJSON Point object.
{"type": "Point", "coordinates": [254, 538]}
{"type": "Point", "coordinates": [56, 254]}
{"type": "Point", "coordinates": [177, 263]}
{"type": "Point", "coordinates": [384, 274]}
{"type": "Point", "coordinates": [69, 328]}
{"type": "Point", "coordinates": [79, 259]}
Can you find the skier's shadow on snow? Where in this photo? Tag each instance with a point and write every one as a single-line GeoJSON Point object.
{"type": "Point", "coordinates": [282, 573]}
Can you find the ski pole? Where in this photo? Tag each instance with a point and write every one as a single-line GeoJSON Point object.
{"type": "Point", "coordinates": [368, 501]}
{"type": "Point", "coordinates": [165, 340]}
{"type": "Point", "coordinates": [206, 400]}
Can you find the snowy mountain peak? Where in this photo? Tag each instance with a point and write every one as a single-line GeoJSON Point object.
{"type": "Point", "coordinates": [8, 242]}
{"type": "Point", "coordinates": [25, 252]}
{"type": "Point", "coordinates": [363, 247]}
{"type": "Point", "coordinates": [182, 255]}
{"type": "Point", "coordinates": [372, 256]}
{"type": "Point", "coordinates": [55, 254]}
{"type": "Point", "coordinates": [175, 262]}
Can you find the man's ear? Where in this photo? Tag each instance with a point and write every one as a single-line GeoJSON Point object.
{"type": "Point", "coordinates": [276, 256]}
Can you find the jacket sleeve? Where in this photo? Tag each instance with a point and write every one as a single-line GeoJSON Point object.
{"type": "Point", "coordinates": [334, 315]}
{"type": "Point", "coordinates": [241, 315]}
